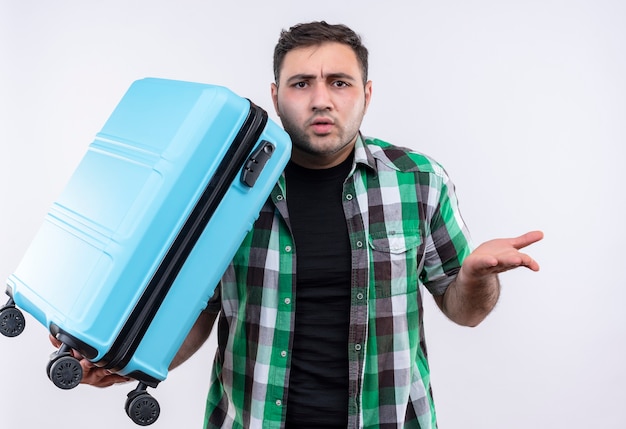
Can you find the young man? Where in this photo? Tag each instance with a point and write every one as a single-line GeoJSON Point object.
{"type": "Point", "coordinates": [320, 312]}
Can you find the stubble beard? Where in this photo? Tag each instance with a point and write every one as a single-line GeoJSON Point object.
{"type": "Point", "coordinates": [304, 142]}
{"type": "Point", "coordinates": [331, 145]}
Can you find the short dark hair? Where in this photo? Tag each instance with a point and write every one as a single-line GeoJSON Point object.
{"type": "Point", "coordinates": [316, 33]}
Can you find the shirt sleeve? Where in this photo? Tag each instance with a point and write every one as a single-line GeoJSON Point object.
{"type": "Point", "coordinates": [214, 304]}
{"type": "Point", "coordinates": [448, 242]}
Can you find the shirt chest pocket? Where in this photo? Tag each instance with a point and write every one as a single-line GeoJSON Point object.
{"type": "Point", "coordinates": [395, 258]}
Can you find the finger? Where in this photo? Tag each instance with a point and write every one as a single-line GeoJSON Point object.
{"type": "Point", "coordinates": [517, 260]}
{"type": "Point", "coordinates": [488, 264]}
{"type": "Point", "coordinates": [527, 239]}
{"type": "Point", "coordinates": [56, 343]}
{"type": "Point", "coordinates": [101, 377]}
{"type": "Point", "coordinates": [93, 376]}
{"type": "Point", "coordinates": [530, 263]}
{"type": "Point", "coordinates": [110, 380]}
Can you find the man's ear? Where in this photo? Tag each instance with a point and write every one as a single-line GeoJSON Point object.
{"type": "Point", "coordinates": [274, 89]}
{"type": "Point", "coordinates": [368, 94]}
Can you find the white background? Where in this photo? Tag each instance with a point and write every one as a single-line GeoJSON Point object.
{"type": "Point", "coordinates": [523, 102]}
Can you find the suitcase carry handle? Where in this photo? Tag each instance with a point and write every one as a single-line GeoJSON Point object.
{"type": "Point", "coordinates": [257, 160]}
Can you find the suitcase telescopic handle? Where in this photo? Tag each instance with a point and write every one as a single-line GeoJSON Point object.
{"type": "Point", "coordinates": [255, 163]}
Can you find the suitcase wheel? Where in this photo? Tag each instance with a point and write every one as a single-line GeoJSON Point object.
{"type": "Point", "coordinates": [64, 370]}
{"type": "Point", "coordinates": [12, 321]}
{"type": "Point", "coordinates": [141, 407]}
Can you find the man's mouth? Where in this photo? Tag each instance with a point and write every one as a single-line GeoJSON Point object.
{"type": "Point", "coordinates": [322, 125]}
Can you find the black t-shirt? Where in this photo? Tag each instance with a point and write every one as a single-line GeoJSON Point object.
{"type": "Point", "coordinates": [318, 384]}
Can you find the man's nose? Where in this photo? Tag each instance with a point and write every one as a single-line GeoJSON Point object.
{"type": "Point", "coordinates": [321, 98]}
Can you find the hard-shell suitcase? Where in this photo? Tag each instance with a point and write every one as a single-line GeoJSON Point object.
{"type": "Point", "coordinates": [129, 254]}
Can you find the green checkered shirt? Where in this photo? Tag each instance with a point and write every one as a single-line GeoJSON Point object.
{"type": "Point", "coordinates": [405, 231]}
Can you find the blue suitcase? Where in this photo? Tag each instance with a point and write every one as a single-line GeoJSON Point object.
{"type": "Point", "coordinates": [129, 254]}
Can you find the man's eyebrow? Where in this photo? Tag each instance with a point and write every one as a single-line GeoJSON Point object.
{"type": "Point", "coordinates": [299, 77]}
{"type": "Point", "coordinates": [304, 76]}
{"type": "Point", "coordinates": [340, 75]}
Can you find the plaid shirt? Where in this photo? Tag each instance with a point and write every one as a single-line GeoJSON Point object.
{"type": "Point", "coordinates": [405, 231]}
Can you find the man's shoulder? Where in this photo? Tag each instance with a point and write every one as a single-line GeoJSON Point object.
{"type": "Point", "coordinates": [400, 158]}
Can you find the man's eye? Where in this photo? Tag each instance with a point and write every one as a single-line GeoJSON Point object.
{"type": "Point", "coordinates": [299, 85]}
{"type": "Point", "coordinates": [341, 84]}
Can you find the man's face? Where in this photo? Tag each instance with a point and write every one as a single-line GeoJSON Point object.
{"type": "Point", "coordinates": [321, 101]}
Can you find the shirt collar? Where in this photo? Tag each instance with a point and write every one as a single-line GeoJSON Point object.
{"type": "Point", "coordinates": [363, 154]}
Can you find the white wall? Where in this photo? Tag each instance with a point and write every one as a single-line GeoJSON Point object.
{"type": "Point", "coordinates": [522, 101]}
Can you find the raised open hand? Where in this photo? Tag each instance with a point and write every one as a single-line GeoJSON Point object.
{"type": "Point", "coordinates": [500, 255]}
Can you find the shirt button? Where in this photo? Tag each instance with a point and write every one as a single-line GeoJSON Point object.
{"type": "Point", "coordinates": [279, 197]}
{"type": "Point", "coordinates": [359, 295]}
{"type": "Point", "coordinates": [279, 402]}
{"type": "Point", "coordinates": [287, 301]}
{"type": "Point", "coordinates": [357, 347]}
{"type": "Point", "coordinates": [287, 249]}
{"type": "Point", "coordinates": [349, 197]}
{"type": "Point", "coordinates": [359, 244]}
{"type": "Point", "coordinates": [283, 353]}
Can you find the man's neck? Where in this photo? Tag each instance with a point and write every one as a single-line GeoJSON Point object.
{"type": "Point", "coordinates": [318, 161]}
